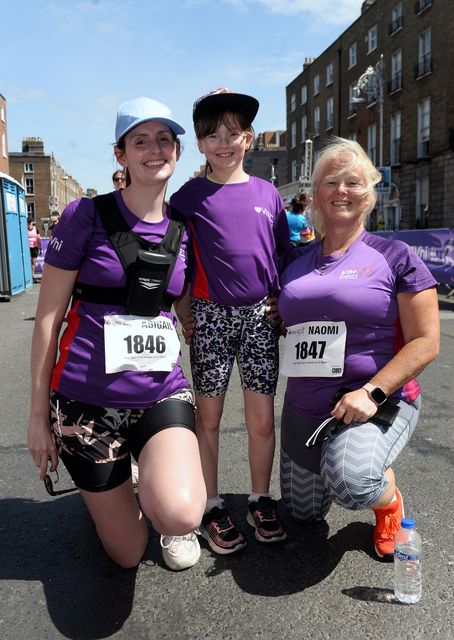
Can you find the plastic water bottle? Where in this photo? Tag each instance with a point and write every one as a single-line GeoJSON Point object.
{"type": "Point", "coordinates": [407, 563]}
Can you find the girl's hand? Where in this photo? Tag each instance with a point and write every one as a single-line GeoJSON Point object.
{"type": "Point", "coordinates": [187, 329]}
{"type": "Point", "coordinates": [355, 406]}
{"type": "Point", "coordinates": [41, 445]}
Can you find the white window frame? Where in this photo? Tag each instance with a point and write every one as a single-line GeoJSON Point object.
{"type": "Point", "coordinates": [303, 127]}
{"type": "Point", "coordinates": [292, 102]}
{"type": "Point", "coordinates": [30, 186]}
{"type": "Point", "coordinates": [396, 70]}
{"type": "Point", "coordinates": [424, 51]}
{"type": "Point", "coordinates": [31, 210]}
{"type": "Point", "coordinates": [317, 121]}
{"type": "Point", "coordinates": [329, 74]}
{"type": "Point", "coordinates": [316, 84]}
{"type": "Point", "coordinates": [372, 39]}
{"type": "Point", "coordinates": [29, 167]}
{"type": "Point", "coordinates": [304, 94]}
{"type": "Point", "coordinates": [422, 199]}
{"type": "Point", "coordinates": [395, 137]}
{"type": "Point", "coordinates": [352, 55]}
{"type": "Point", "coordinates": [4, 153]}
{"type": "Point", "coordinates": [423, 128]}
{"type": "Point", "coordinates": [372, 143]}
{"type": "Point", "coordinates": [330, 113]}
{"type": "Point", "coordinates": [2, 114]}
{"type": "Point", "coordinates": [293, 134]}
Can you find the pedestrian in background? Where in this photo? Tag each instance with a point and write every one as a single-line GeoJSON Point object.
{"type": "Point", "coordinates": [362, 321]}
{"type": "Point", "coordinates": [300, 231]}
{"type": "Point", "coordinates": [34, 242]}
{"type": "Point", "coordinates": [239, 230]}
{"type": "Point", "coordinates": [110, 393]}
{"type": "Point", "coordinates": [118, 179]}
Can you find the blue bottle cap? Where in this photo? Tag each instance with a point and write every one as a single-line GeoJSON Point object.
{"type": "Point", "coordinates": [408, 523]}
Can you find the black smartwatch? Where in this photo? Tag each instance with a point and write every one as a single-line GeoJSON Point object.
{"type": "Point", "coordinates": [377, 394]}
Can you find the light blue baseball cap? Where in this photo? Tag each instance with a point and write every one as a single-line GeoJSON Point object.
{"type": "Point", "coordinates": [134, 112]}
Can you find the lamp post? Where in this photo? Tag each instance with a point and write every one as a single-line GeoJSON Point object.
{"type": "Point", "coordinates": [372, 84]}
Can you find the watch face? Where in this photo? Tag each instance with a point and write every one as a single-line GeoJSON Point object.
{"type": "Point", "coordinates": [378, 395]}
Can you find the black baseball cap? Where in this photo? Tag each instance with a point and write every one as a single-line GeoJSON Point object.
{"type": "Point", "coordinates": [223, 99]}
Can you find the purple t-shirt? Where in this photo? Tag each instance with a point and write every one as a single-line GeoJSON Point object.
{"type": "Point", "coordinates": [81, 243]}
{"type": "Point", "coordinates": [360, 288]}
{"type": "Point", "coordinates": [238, 233]}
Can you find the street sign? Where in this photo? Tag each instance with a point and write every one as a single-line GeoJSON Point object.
{"type": "Point", "coordinates": [384, 186]}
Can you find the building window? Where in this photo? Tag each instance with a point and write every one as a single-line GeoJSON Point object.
{"type": "Point", "coordinates": [29, 186]}
{"type": "Point", "coordinates": [420, 5]}
{"type": "Point", "coordinates": [294, 171]}
{"type": "Point", "coordinates": [352, 55]}
{"type": "Point", "coordinates": [394, 154]}
{"type": "Point", "coordinates": [292, 102]}
{"type": "Point", "coordinates": [372, 41]}
{"type": "Point", "coordinates": [397, 21]}
{"type": "Point", "coordinates": [4, 154]}
{"type": "Point", "coordinates": [354, 136]}
{"type": "Point", "coordinates": [28, 167]}
{"type": "Point", "coordinates": [423, 128]}
{"type": "Point", "coordinates": [424, 54]}
{"type": "Point", "coordinates": [2, 114]}
{"type": "Point", "coordinates": [31, 210]}
{"type": "Point", "coordinates": [317, 121]}
{"type": "Point", "coordinates": [304, 94]}
{"type": "Point", "coordinates": [422, 201]}
{"type": "Point", "coordinates": [351, 95]}
{"type": "Point", "coordinates": [372, 143]}
{"type": "Point", "coordinates": [329, 74]}
{"type": "Point", "coordinates": [316, 84]}
{"type": "Point", "coordinates": [396, 71]}
{"type": "Point", "coordinates": [303, 128]}
{"type": "Point", "coordinates": [293, 134]}
{"type": "Point", "coordinates": [330, 113]}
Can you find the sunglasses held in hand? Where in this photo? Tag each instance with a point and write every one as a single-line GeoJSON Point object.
{"type": "Point", "coordinates": [49, 484]}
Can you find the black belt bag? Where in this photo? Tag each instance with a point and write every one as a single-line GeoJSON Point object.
{"type": "Point", "coordinates": [148, 266]}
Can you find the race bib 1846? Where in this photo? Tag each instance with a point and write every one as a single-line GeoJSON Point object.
{"type": "Point", "coordinates": [136, 343]}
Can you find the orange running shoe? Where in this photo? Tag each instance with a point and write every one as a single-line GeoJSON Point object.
{"type": "Point", "coordinates": [387, 523]}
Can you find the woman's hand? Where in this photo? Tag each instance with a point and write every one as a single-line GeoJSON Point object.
{"type": "Point", "coordinates": [41, 444]}
{"type": "Point", "coordinates": [355, 406]}
{"type": "Point", "coordinates": [272, 310]}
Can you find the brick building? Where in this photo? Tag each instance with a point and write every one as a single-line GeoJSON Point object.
{"type": "Point", "coordinates": [267, 157]}
{"type": "Point", "coordinates": [409, 90]}
{"type": "Point", "coordinates": [48, 187]}
{"type": "Point", "coordinates": [4, 164]}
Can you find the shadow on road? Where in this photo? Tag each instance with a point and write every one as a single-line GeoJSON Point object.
{"type": "Point", "coordinates": [305, 559]}
{"type": "Point", "coordinates": [55, 543]}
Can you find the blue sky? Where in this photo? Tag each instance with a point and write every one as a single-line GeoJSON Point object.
{"type": "Point", "coordinates": [74, 61]}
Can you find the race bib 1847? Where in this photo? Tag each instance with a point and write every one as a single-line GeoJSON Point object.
{"type": "Point", "coordinates": [315, 349]}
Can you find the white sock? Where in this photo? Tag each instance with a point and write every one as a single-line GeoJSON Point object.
{"type": "Point", "coordinates": [255, 496]}
{"type": "Point", "coordinates": [217, 501]}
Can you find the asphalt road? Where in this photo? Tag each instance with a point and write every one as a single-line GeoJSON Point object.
{"type": "Point", "coordinates": [324, 583]}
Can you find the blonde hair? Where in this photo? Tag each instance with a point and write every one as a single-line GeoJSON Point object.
{"type": "Point", "coordinates": [334, 153]}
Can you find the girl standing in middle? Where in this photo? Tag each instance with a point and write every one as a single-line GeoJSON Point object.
{"type": "Point", "coordinates": [239, 231]}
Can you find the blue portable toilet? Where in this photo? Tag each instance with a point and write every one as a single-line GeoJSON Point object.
{"type": "Point", "coordinates": [15, 263]}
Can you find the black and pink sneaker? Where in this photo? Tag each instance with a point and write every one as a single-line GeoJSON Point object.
{"type": "Point", "coordinates": [262, 516]}
{"type": "Point", "coordinates": [219, 531]}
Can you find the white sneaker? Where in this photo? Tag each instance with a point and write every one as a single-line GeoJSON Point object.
{"type": "Point", "coordinates": [134, 474]}
{"type": "Point", "coordinates": [180, 552]}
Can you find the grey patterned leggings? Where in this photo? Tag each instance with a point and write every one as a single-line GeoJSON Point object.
{"type": "Point", "coordinates": [352, 467]}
